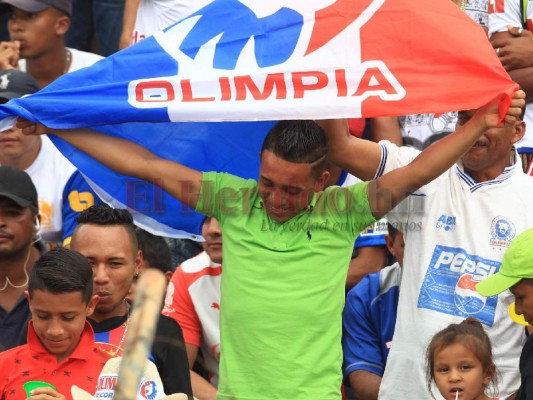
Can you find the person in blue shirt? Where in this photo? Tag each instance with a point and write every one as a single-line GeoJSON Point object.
{"type": "Point", "coordinates": [368, 319]}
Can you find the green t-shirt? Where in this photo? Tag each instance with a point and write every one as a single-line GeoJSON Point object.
{"type": "Point", "coordinates": [282, 290]}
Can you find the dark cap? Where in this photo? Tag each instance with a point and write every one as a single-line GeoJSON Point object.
{"type": "Point", "coordinates": [17, 186]}
{"type": "Point", "coordinates": [40, 5]}
{"type": "Point", "coordinates": [15, 84]}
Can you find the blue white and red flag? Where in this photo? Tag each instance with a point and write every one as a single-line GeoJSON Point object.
{"type": "Point", "coordinates": [254, 60]}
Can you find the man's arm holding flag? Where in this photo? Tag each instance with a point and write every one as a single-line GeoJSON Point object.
{"type": "Point", "coordinates": [129, 159]}
{"type": "Point", "coordinates": [357, 156]}
{"type": "Point", "coordinates": [361, 157]}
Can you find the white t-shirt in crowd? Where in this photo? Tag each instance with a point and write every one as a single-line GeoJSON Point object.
{"type": "Point", "coordinates": [80, 59]}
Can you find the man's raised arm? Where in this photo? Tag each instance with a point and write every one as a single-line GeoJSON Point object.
{"type": "Point", "coordinates": [130, 159]}
{"type": "Point", "coordinates": [388, 190]}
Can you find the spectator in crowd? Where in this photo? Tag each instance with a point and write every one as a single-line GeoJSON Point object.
{"type": "Point", "coordinates": [193, 300]}
{"type": "Point", "coordinates": [37, 30]}
{"type": "Point", "coordinates": [511, 35]}
{"type": "Point", "coordinates": [62, 190]}
{"type": "Point", "coordinates": [97, 21]}
{"type": "Point", "coordinates": [486, 191]}
{"type": "Point", "coordinates": [369, 253]}
{"type": "Point", "coordinates": [270, 283]}
{"type": "Point", "coordinates": [368, 319]}
{"type": "Point", "coordinates": [106, 236]}
{"type": "Point", "coordinates": [61, 349]}
{"type": "Point", "coordinates": [155, 254]}
{"type": "Point", "coordinates": [459, 362]}
{"type": "Point", "coordinates": [142, 18]}
{"type": "Point", "coordinates": [516, 274]}
{"type": "Point", "coordinates": [19, 225]}
{"type": "Point", "coordinates": [155, 251]}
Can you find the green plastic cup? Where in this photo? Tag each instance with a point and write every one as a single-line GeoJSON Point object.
{"type": "Point", "coordinates": [31, 385]}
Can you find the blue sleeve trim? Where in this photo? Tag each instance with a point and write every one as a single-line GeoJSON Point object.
{"type": "Point", "coordinates": [382, 161]}
{"type": "Point", "coordinates": [521, 150]}
{"type": "Point", "coordinates": [364, 366]}
{"type": "Point", "coordinates": [370, 240]}
{"type": "Point", "coordinates": [342, 178]}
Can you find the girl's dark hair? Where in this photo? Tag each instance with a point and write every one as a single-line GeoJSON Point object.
{"type": "Point", "coordinates": [62, 271]}
{"type": "Point", "coordinates": [469, 333]}
{"type": "Point", "coordinates": [298, 142]}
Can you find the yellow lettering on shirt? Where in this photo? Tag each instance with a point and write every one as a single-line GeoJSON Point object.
{"type": "Point", "coordinates": [80, 201]}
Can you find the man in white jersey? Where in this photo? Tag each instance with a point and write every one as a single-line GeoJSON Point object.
{"type": "Point", "coordinates": [511, 34]}
{"type": "Point", "coordinates": [37, 30]}
{"type": "Point", "coordinates": [456, 230]}
{"type": "Point", "coordinates": [193, 300]}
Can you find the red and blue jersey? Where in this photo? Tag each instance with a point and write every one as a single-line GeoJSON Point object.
{"type": "Point", "coordinates": [33, 362]}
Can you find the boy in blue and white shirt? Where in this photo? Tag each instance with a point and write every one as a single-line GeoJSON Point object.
{"type": "Point", "coordinates": [368, 320]}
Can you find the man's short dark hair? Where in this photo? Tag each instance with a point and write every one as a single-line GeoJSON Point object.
{"type": "Point", "coordinates": [298, 142]}
{"type": "Point", "coordinates": [392, 230]}
{"type": "Point", "coordinates": [62, 270]}
{"type": "Point", "coordinates": [104, 215]}
{"type": "Point", "coordinates": [155, 249]}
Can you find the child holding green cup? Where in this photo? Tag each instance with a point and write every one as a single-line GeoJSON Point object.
{"type": "Point", "coordinates": [32, 385]}
{"type": "Point", "coordinates": [60, 352]}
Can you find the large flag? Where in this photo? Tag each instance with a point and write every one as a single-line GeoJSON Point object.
{"type": "Point", "coordinates": [260, 60]}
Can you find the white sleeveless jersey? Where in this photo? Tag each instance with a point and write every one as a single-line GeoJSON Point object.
{"type": "Point", "coordinates": [456, 231]}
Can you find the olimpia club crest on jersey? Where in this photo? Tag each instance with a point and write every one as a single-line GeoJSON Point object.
{"type": "Point", "coordinates": [502, 231]}
{"type": "Point", "coordinates": [148, 389]}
